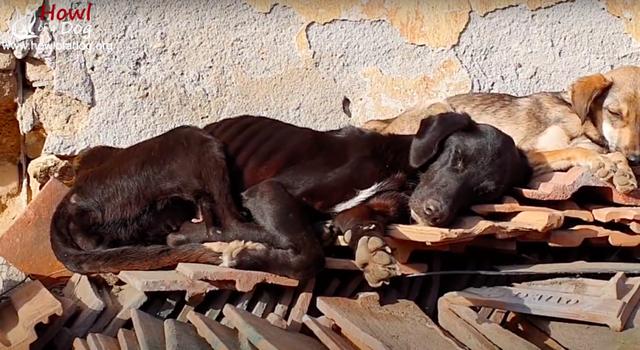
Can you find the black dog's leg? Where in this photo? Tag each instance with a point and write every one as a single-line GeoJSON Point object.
{"type": "Point", "coordinates": [364, 229]}
{"type": "Point", "coordinates": [289, 244]}
{"type": "Point", "coordinates": [218, 202]}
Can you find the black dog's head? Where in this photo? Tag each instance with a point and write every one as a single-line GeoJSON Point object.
{"type": "Point", "coordinates": [461, 163]}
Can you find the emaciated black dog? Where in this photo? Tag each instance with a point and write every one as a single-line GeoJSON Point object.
{"type": "Point", "coordinates": [121, 213]}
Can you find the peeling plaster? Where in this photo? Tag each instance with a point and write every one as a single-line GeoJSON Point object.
{"type": "Point", "coordinates": [482, 7]}
{"type": "Point", "coordinates": [629, 12]}
{"type": "Point", "coordinates": [388, 95]}
{"type": "Point", "coordinates": [433, 23]}
{"type": "Point", "coordinates": [8, 7]}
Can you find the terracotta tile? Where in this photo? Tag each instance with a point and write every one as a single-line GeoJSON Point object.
{"type": "Point", "coordinates": [264, 299]}
{"type": "Point", "coordinates": [80, 344]}
{"type": "Point", "coordinates": [218, 336]}
{"type": "Point", "coordinates": [525, 329]}
{"type": "Point", "coordinates": [64, 339]}
{"type": "Point", "coordinates": [218, 303]}
{"type": "Point", "coordinates": [327, 336]}
{"type": "Point", "coordinates": [276, 320]}
{"type": "Point", "coordinates": [301, 305]}
{"type": "Point", "coordinates": [581, 299]}
{"type": "Point", "coordinates": [568, 211]}
{"type": "Point", "coordinates": [164, 281]}
{"type": "Point", "coordinates": [461, 330]}
{"type": "Point", "coordinates": [241, 280]}
{"type": "Point", "coordinates": [616, 214]}
{"type": "Point", "coordinates": [263, 335]}
{"type": "Point", "coordinates": [69, 308]}
{"type": "Point", "coordinates": [28, 236]}
{"type": "Point", "coordinates": [179, 335]}
{"type": "Point", "coordinates": [80, 290]}
{"type": "Point", "coordinates": [127, 339]}
{"type": "Point", "coordinates": [98, 341]}
{"type": "Point", "coordinates": [149, 330]}
{"type": "Point", "coordinates": [366, 324]}
{"type": "Point", "coordinates": [574, 236]}
{"type": "Point", "coordinates": [29, 304]}
{"type": "Point", "coordinates": [129, 299]}
{"type": "Point", "coordinates": [562, 185]}
{"type": "Point", "coordinates": [469, 227]}
{"type": "Point", "coordinates": [503, 338]}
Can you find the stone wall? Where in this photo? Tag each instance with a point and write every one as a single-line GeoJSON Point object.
{"type": "Point", "coordinates": [138, 68]}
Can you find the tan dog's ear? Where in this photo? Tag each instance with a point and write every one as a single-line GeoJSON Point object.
{"type": "Point", "coordinates": [585, 90]}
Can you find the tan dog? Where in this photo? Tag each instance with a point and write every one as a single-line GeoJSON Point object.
{"type": "Point", "coordinates": [595, 124]}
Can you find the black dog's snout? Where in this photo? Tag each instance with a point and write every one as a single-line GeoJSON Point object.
{"type": "Point", "coordinates": [634, 159]}
{"type": "Point", "coordinates": [433, 212]}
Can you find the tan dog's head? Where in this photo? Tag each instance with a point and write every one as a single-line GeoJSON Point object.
{"type": "Point", "coordinates": [611, 101]}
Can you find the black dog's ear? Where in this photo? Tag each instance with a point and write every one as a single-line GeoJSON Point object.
{"type": "Point", "coordinates": [433, 130]}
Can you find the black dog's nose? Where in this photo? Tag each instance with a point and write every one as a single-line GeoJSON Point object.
{"type": "Point", "coordinates": [634, 159]}
{"type": "Point", "coordinates": [433, 212]}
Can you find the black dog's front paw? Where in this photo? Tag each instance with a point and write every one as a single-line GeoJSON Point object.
{"type": "Point", "coordinates": [373, 255]}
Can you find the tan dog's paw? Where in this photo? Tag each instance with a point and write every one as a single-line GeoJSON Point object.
{"type": "Point", "coordinates": [234, 248]}
{"type": "Point", "coordinates": [217, 247]}
{"type": "Point", "coordinates": [623, 179]}
{"type": "Point", "coordinates": [374, 258]}
{"type": "Point", "coordinates": [602, 167]}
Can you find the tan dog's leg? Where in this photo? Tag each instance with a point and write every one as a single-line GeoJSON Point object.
{"type": "Point", "coordinates": [604, 166]}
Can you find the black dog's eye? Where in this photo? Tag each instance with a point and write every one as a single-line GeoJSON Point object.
{"type": "Point", "coordinates": [485, 190]}
{"type": "Point", "coordinates": [457, 161]}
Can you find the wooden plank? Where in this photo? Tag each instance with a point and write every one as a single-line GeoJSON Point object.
{"type": "Point", "coordinates": [149, 330]}
{"type": "Point", "coordinates": [127, 339]}
{"type": "Point", "coordinates": [179, 335]}
{"type": "Point", "coordinates": [218, 336]}
{"type": "Point", "coordinates": [367, 324]}
{"type": "Point", "coordinates": [265, 336]}
{"type": "Point", "coordinates": [327, 336]}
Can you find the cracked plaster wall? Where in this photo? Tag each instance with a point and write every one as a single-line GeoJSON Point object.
{"type": "Point", "coordinates": [194, 62]}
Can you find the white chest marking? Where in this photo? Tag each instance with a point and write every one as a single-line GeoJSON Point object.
{"type": "Point", "coordinates": [361, 196]}
{"type": "Point", "coordinates": [609, 134]}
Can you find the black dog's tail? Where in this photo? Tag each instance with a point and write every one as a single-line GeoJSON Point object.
{"type": "Point", "coordinates": [121, 258]}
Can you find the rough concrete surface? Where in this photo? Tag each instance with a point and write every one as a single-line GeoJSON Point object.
{"type": "Point", "coordinates": [141, 68]}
